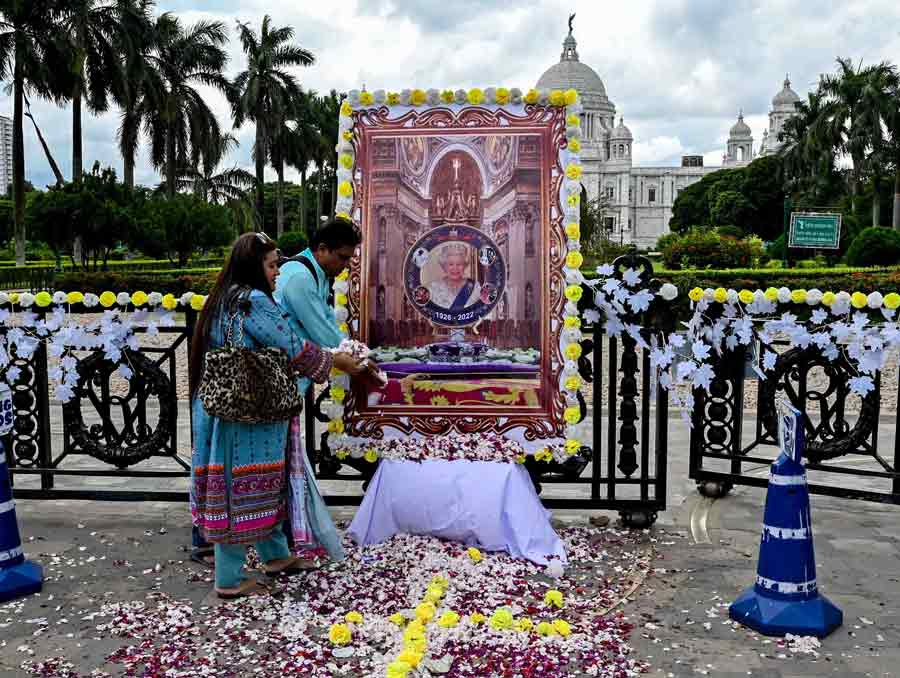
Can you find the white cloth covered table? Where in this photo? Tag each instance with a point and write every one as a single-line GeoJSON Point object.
{"type": "Point", "coordinates": [490, 505]}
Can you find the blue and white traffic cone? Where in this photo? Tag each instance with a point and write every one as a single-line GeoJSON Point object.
{"type": "Point", "coordinates": [18, 577]}
{"type": "Point", "coordinates": [786, 598]}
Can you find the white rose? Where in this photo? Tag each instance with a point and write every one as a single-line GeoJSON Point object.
{"type": "Point", "coordinates": [59, 298]}
{"type": "Point", "coordinates": [571, 335]}
{"type": "Point", "coordinates": [515, 96]}
{"type": "Point", "coordinates": [433, 97]}
{"type": "Point", "coordinates": [26, 299]}
{"type": "Point", "coordinates": [185, 299]}
{"type": "Point", "coordinates": [573, 276]}
{"type": "Point", "coordinates": [344, 174]}
{"type": "Point", "coordinates": [4, 298]}
{"type": "Point", "coordinates": [543, 97]}
{"type": "Point", "coordinates": [709, 294]}
{"type": "Point", "coordinates": [875, 300]}
{"type": "Point", "coordinates": [460, 96]}
{"type": "Point", "coordinates": [570, 368]}
{"type": "Point", "coordinates": [341, 314]}
{"type": "Point", "coordinates": [405, 97]}
{"type": "Point", "coordinates": [573, 132]}
{"type": "Point", "coordinates": [784, 295]}
{"type": "Point", "coordinates": [154, 298]}
{"type": "Point", "coordinates": [814, 297]}
{"type": "Point", "coordinates": [842, 297]}
{"type": "Point", "coordinates": [356, 451]}
{"type": "Point", "coordinates": [576, 108]}
{"type": "Point", "coordinates": [731, 296]}
{"type": "Point", "coordinates": [341, 286]}
{"type": "Point", "coordinates": [571, 308]}
{"type": "Point", "coordinates": [379, 96]}
{"type": "Point", "coordinates": [668, 291]}
{"type": "Point", "coordinates": [490, 95]}
{"type": "Point", "coordinates": [123, 298]}
{"type": "Point", "coordinates": [90, 300]}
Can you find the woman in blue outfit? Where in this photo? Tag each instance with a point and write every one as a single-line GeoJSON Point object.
{"type": "Point", "coordinates": [239, 483]}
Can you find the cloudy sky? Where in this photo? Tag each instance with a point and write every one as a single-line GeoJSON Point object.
{"type": "Point", "coordinates": [678, 70]}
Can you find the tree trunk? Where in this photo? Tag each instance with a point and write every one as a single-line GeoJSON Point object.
{"type": "Point", "coordinates": [60, 179]}
{"type": "Point", "coordinates": [876, 202]}
{"type": "Point", "coordinates": [279, 204]}
{"type": "Point", "coordinates": [128, 170]}
{"type": "Point", "coordinates": [129, 132]}
{"type": "Point", "coordinates": [260, 174]}
{"type": "Point", "coordinates": [77, 163]}
{"type": "Point", "coordinates": [333, 184]}
{"type": "Point", "coordinates": [303, 200]}
{"type": "Point", "coordinates": [319, 180]}
{"type": "Point", "coordinates": [895, 221]}
{"type": "Point", "coordinates": [18, 160]}
{"type": "Point", "coordinates": [170, 159]}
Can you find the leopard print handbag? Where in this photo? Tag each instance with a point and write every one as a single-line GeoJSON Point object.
{"type": "Point", "coordinates": [250, 386]}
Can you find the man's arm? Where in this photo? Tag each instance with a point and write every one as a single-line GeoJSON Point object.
{"type": "Point", "coordinates": [301, 299]}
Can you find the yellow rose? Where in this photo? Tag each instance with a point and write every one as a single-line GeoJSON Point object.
{"type": "Point", "coordinates": [343, 275]}
{"type": "Point", "coordinates": [336, 426]}
{"type": "Point", "coordinates": [342, 215]}
{"type": "Point", "coordinates": [557, 98]}
{"type": "Point", "coordinates": [410, 656]}
{"type": "Point", "coordinates": [474, 554]}
{"type": "Point", "coordinates": [139, 298]}
{"type": "Point", "coordinates": [340, 299]}
{"type": "Point", "coordinates": [573, 200]}
{"type": "Point", "coordinates": [574, 292]}
{"type": "Point", "coordinates": [342, 454]}
{"type": "Point", "coordinates": [169, 302]}
{"type": "Point", "coordinates": [434, 594]}
{"type": "Point", "coordinates": [798, 296]}
{"type": "Point", "coordinates": [520, 458]}
{"type": "Point", "coordinates": [532, 96]}
{"type": "Point", "coordinates": [859, 300]}
{"type": "Point", "coordinates": [572, 120]}
{"type": "Point", "coordinates": [571, 96]}
{"type": "Point", "coordinates": [347, 135]}
{"type": "Point", "coordinates": [447, 96]}
{"type": "Point", "coordinates": [553, 598]}
{"type": "Point", "coordinates": [346, 161]}
{"type": "Point", "coordinates": [891, 301]}
{"type": "Point", "coordinates": [572, 383]}
{"type": "Point", "coordinates": [449, 619]}
{"type": "Point", "coordinates": [197, 302]}
{"type": "Point", "coordinates": [572, 321]}
{"type": "Point", "coordinates": [393, 98]}
{"type": "Point", "coordinates": [546, 629]}
{"type": "Point", "coordinates": [771, 294]}
{"type": "Point", "coordinates": [398, 669]}
{"type": "Point", "coordinates": [439, 581]}
{"type": "Point", "coordinates": [366, 98]}
{"type": "Point", "coordinates": [696, 294]}
{"type": "Point", "coordinates": [78, 297]}
{"type": "Point", "coordinates": [501, 620]}
{"type": "Point", "coordinates": [572, 415]}
{"type": "Point", "coordinates": [524, 625]}
{"type": "Point", "coordinates": [573, 446]}
{"type": "Point", "coordinates": [574, 145]}
{"type": "Point", "coordinates": [573, 171]}
{"type": "Point", "coordinates": [562, 627]}
{"type": "Point", "coordinates": [43, 299]}
{"type": "Point", "coordinates": [345, 189]}
{"type": "Point", "coordinates": [397, 619]}
{"type": "Point", "coordinates": [419, 646]}
{"type": "Point", "coordinates": [414, 632]}
{"type": "Point", "coordinates": [339, 634]}
{"type": "Point", "coordinates": [746, 296]}
{"type": "Point", "coordinates": [573, 351]}
{"type": "Point", "coordinates": [475, 96]}
{"type": "Point", "coordinates": [346, 109]}
{"type": "Point", "coordinates": [370, 456]}
{"type": "Point", "coordinates": [574, 260]}
{"type": "Point", "coordinates": [418, 97]}
{"type": "Point", "coordinates": [543, 455]}
{"type": "Point", "coordinates": [354, 617]}
{"type": "Point", "coordinates": [107, 299]}
{"type": "Point", "coordinates": [720, 295]}
{"type": "Point", "coordinates": [344, 328]}
{"type": "Point", "coordinates": [573, 231]}
{"type": "Point", "coordinates": [477, 618]}
{"type": "Point", "coordinates": [502, 96]}
{"type": "Point", "coordinates": [14, 298]}
{"type": "Point", "coordinates": [425, 611]}
{"type": "Point", "coordinates": [829, 298]}
{"type": "Point", "coordinates": [338, 394]}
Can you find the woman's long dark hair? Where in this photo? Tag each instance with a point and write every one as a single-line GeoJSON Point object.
{"type": "Point", "coordinates": [243, 269]}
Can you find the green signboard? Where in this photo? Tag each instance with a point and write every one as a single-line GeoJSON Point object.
{"type": "Point", "coordinates": [815, 230]}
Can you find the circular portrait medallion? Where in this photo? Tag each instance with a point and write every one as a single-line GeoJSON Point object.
{"type": "Point", "coordinates": [454, 275]}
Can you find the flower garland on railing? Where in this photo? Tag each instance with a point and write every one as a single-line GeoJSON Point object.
{"type": "Point", "coordinates": [113, 332]}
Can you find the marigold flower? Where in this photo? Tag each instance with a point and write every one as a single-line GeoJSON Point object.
{"type": "Point", "coordinates": [78, 297]}
{"type": "Point", "coordinates": [345, 189]}
{"type": "Point", "coordinates": [573, 351]}
{"type": "Point", "coordinates": [340, 634]}
{"type": "Point", "coordinates": [746, 296]}
{"type": "Point", "coordinates": [448, 620]}
{"type": "Point", "coordinates": [572, 383]}
{"type": "Point", "coordinates": [573, 230]}
{"type": "Point", "coordinates": [502, 619]}
{"type": "Point", "coordinates": [798, 296]}
{"type": "Point", "coordinates": [474, 554]}
{"type": "Point", "coordinates": [346, 109]}
{"type": "Point", "coordinates": [573, 446]}
{"type": "Point", "coordinates": [572, 415]}
{"type": "Point", "coordinates": [562, 627]}
{"type": "Point", "coordinates": [169, 302]}
{"type": "Point", "coordinates": [571, 96]}
{"type": "Point", "coordinates": [197, 302]}
{"type": "Point", "coordinates": [139, 298]}
{"type": "Point", "coordinates": [475, 96]}
{"type": "Point", "coordinates": [829, 298]}
{"type": "Point", "coordinates": [502, 96]}
{"type": "Point", "coordinates": [336, 426]}
{"type": "Point", "coordinates": [572, 321]}
{"type": "Point", "coordinates": [366, 98]}
{"type": "Point", "coordinates": [393, 98]}
{"type": "Point", "coordinates": [43, 299]}
{"type": "Point", "coordinates": [859, 300]}
{"type": "Point", "coordinates": [720, 295]}
{"type": "Point", "coordinates": [477, 618]}
{"type": "Point", "coordinates": [520, 458]}
{"type": "Point", "coordinates": [354, 617]}
{"type": "Point", "coordinates": [574, 260]}
{"type": "Point", "coordinates": [532, 96]}
{"type": "Point", "coordinates": [553, 598]}
{"type": "Point", "coordinates": [370, 456]}
{"type": "Point", "coordinates": [418, 97]}
{"type": "Point", "coordinates": [574, 145]}
{"type": "Point", "coordinates": [573, 171]}
{"type": "Point", "coordinates": [397, 619]}
{"type": "Point", "coordinates": [410, 656]}
{"type": "Point", "coordinates": [340, 299]}
{"type": "Point", "coordinates": [398, 669]}
{"type": "Point", "coordinates": [574, 292]}
{"type": "Point", "coordinates": [696, 294]}
{"type": "Point", "coordinates": [546, 629]}
{"type": "Point", "coordinates": [891, 301]}
{"type": "Point", "coordinates": [425, 611]}
{"type": "Point", "coordinates": [557, 98]}
{"type": "Point", "coordinates": [572, 120]}
{"type": "Point", "coordinates": [343, 275]}
{"type": "Point", "coordinates": [107, 299]}
{"type": "Point", "coordinates": [524, 625]}
{"type": "Point", "coordinates": [346, 160]}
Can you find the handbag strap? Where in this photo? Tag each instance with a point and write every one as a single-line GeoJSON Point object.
{"type": "Point", "coordinates": [229, 332]}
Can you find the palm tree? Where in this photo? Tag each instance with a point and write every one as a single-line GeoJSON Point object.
{"type": "Point", "coordinates": [807, 156]}
{"type": "Point", "coordinates": [216, 187]}
{"type": "Point", "coordinates": [300, 144]}
{"type": "Point", "coordinates": [175, 115]}
{"type": "Point", "coordinates": [97, 36]}
{"type": "Point", "coordinates": [326, 110]}
{"type": "Point", "coordinates": [265, 92]}
{"type": "Point", "coordinates": [35, 55]}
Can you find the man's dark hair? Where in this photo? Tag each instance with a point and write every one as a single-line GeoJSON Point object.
{"type": "Point", "coordinates": [335, 234]}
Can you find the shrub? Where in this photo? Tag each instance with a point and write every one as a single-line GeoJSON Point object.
{"type": "Point", "coordinates": [175, 281]}
{"type": "Point", "coordinates": [729, 231]}
{"type": "Point", "coordinates": [292, 242]}
{"type": "Point", "coordinates": [706, 249]}
{"type": "Point", "coordinates": [875, 246]}
{"type": "Point", "coordinates": [666, 240]}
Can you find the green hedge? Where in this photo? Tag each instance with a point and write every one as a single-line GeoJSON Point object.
{"type": "Point", "coordinates": [176, 281]}
{"type": "Point", "coordinates": [117, 265]}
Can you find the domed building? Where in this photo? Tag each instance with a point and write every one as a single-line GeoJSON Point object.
{"type": "Point", "coordinates": [640, 197]}
{"type": "Point", "coordinates": [784, 106]}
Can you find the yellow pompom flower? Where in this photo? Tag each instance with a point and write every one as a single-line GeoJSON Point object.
{"type": "Point", "coordinates": [398, 669]}
{"type": "Point", "coordinates": [340, 634]}
{"type": "Point", "coordinates": [366, 98]}
{"type": "Point", "coordinates": [520, 458]}
{"type": "Point", "coordinates": [354, 617]}
{"type": "Point", "coordinates": [573, 200]}
{"type": "Point", "coordinates": [574, 145]}
{"type": "Point", "coordinates": [746, 296]}
{"type": "Point", "coordinates": [169, 302]}
{"type": "Point", "coordinates": [347, 135]}
{"type": "Point", "coordinates": [720, 295]}
{"type": "Point", "coordinates": [139, 298]}
{"type": "Point", "coordinates": [574, 292]}
{"type": "Point", "coordinates": [573, 231]}
{"type": "Point", "coordinates": [524, 625]}
{"type": "Point", "coordinates": [78, 297]}
{"type": "Point", "coordinates": [572, 321]}
{"type": "Point", "coordinates": [397, 619]}
{"type": "Point", "coordinates": [696, 294]}
{"type": "Point", "coordinates": [107, 299]}
{"type": "Point", "coordinates": [474, 554]}
{"type": "Point", "coordinates": [43, 299]}
{"type": "Point", "coordinates": [572, 120]}
{"type": "Point", "coordinates": [343, 275]}
{"type": "Point", "coordinates": [475, 96]}
{"type": "Point", "coordinates": [859, 300]}
{"type": "Point", "coordinates": [574, 260]}
{"type": "Point", "coordinates": [477, 618]}
{"type": "Point", "coordinates": [571, 96]}
{"type": "Point", "coordinates": [419, 646]}
{"type": "Point", "coordinates": [891, 301]}
{"type": "Point", "coordinates": [573, 351]}
{"type": "Point", "coordinates": [345, 189]}
{"type": "Point", "coordinates": [553, 598]}
{"type": "Point", "coordinates": [434, 594]}
{"type": "Point", "coordinates": [798, 296]}
{"type": "Point", "coordinates": [346, 109]}
{"type": "Point", "coordinates": [771, 294]}
{"type": "Point", "coordinates": [572, 383]}
{"type": "Point", "coordinates": [370, 456]}
{"type": "Point", "coordinates": [197, 302]}
{"type": "Point", "coordinates": [829, 298]}
{"type": "Point", "coordinates": [572, 446]}
{"type": "Point", "coordinates": [340, 299]}
{"type": "Point", "coordinates": [346, 161]}
{"type": "Point", "coordinates": [393, 98]}
{"type": "Point", "coordinates": [573, 171]}
{"type": "Point", "coordinates": [414, 632]}
{"type": "Point", "coordinates": [557, 98]}
{"type": "Point", "coordinates": [418, 97]}
{"type": "Point", "coordinates": [448, 620]}
{"type": "Point", "coordinates": [501, 620]}
{"type": "Point", "coordinates": [439, 581]}
{"type": "Point", "coordinates": [572, 415]}
{"type": "Point", "coordinates": [410, 656]}
{"type": "Point", "coordinates": [425, 611]}
{"type": "Point", "coordinates": [532, 96]}
{"type": "Point", "coordinates": [546, 629]}
{"type": "Point", "coordinates": [14, 298]}
{"type": "Point", "coordinates": [562, 627]}
{"type": "Point", "coordinates": [447, 96]}
{"type": "Point", "coordinates": [502, 96]}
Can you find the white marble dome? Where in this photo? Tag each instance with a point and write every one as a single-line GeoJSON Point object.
{"type": "Point", "coordinates": [571, 73]}
{"type": "Point", "coordinates": [740, 129]}
{"type": "Point", "coordinates": [787, 96]}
